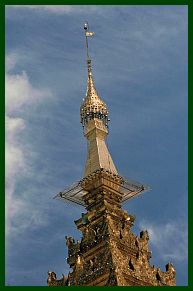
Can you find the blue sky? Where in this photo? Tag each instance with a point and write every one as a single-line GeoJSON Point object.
{"type": "Point", "coordinates": [139, 58]}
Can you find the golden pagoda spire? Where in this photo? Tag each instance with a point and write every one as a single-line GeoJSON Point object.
{"type": "Point", "coordinates": [109, 253]}
{"type": "Point", "coordinates": [94, 119]}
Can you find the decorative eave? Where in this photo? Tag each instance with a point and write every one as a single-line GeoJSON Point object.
{"type": "Point", "coordinates": [75, 193]}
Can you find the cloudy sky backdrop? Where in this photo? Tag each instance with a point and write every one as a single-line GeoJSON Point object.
{"type": "Point", "coordinates": [140, 69]}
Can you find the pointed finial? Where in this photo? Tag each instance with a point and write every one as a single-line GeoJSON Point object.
{"type": "Point", "coordinates": [86, 28]}
{"type": "Point", "coordinates": [87, 34]}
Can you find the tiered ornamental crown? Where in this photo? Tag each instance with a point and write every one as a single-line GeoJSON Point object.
{"type": "Point", "coordinates": [93, 106]}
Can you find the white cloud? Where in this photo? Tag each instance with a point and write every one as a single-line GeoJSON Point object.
{"type": "Point", "coordinates": [19, 93]}
{"type": "Point", "coordinates": [14, 155]}
{"type": "Point", "coordinates": [170, 239]}
{"type": "Point", "coordinates": [57, 9]}
{"type": "Point", "coordinates": [15, 165]}
{"type": "Point", "coordinates": [10, 61]}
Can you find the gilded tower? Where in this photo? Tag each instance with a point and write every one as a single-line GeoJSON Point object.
{"type": "Point", "coordinates": [108, 253]}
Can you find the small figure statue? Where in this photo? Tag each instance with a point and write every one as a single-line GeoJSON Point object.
{"type": "Point", "coordinates": [65, 280]}
{"type": "Point", "coordinates": [51, 278]}
{"type": "Point", "coordinates": [144, 235]}
{"type": "Point", "coordinates": [69, 241]}
{"type": "Point", "coordinates": [170, 270]}
{"type": "Point", "coordinates": [85, 219]}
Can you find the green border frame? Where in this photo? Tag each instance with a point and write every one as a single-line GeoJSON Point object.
{"type": "Point", "coordinates": [2, 107]}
